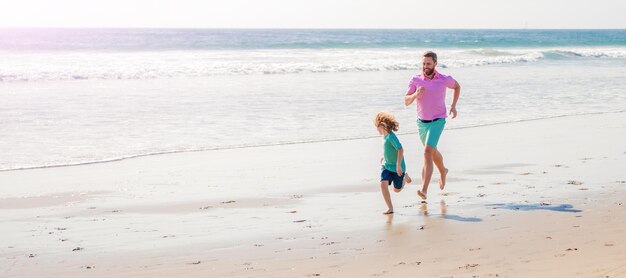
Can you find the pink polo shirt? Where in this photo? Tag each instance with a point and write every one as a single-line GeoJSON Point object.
{"type": "Point", "coordinates": [431, 104]}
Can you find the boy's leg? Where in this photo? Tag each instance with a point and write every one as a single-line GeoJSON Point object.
{"type": "Point", "coordinates": [398, 180]}
{"type": "Point", "coordinates": [407, 179]}
{"type": "Point", "coordinates": [404, 179]}
{"type": "Point", "coordinates": [384, 188]}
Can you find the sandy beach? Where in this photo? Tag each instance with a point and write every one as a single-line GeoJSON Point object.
{"type": "Point", "coordinates": [539, 198]}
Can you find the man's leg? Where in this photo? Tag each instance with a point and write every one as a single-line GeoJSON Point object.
{"type": "Point", "coordinates": [423, 133]}
{"type": "Point", "coordinates": [443, 171]}
{"type": "Point", "coordinates": [428, 170]}
{"type": "Point", "coordinates": [384, 188]}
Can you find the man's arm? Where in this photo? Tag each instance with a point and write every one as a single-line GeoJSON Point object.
{"type": "Point", "coordinates": [412, 94]}
{"type": "Point", "coordinates": [457, 93]}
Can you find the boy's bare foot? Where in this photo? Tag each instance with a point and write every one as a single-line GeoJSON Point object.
{"type": "Point", "coordinates": [442, 180]}
{"type": "Point", "coordinates": [421, 194]}
{"type": "Point", "coordinates": [407, 178]}
{"type": "Point", "coordinates": [389, 211]}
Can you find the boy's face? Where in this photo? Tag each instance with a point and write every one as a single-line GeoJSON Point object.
{"type": "Point", "coordinates": [381, 129]}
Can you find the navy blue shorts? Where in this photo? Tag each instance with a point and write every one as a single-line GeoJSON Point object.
{"type": "Point", "coordinates": [392, 177]}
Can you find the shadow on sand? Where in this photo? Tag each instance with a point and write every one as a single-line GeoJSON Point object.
{"type": "Point", "coordinates": [460, 218]}
{"type": "Point", "coordinates": [541, 206]}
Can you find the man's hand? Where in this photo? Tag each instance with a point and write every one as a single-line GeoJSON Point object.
{"type": "Point", "coordinates": [418, 93]}
{"type": "Point", "coordinates": [411, 96]}
{"type": "Point", "coordinates": [399, 170]}
{"type": "Point", "coordinates": [453, 112]}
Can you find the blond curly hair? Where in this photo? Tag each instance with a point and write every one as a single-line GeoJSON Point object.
{"type": "Point", "coordinates": [387, 120]}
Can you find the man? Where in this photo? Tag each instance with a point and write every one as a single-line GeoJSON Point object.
{"type": "Point", "coordinates": [429, 91]}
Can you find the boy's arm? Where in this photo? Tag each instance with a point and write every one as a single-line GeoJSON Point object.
{"type": "Point", "coordinates": [399, 162]}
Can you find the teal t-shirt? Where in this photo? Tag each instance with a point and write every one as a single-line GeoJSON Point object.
{"type": "Point", "coordinates": [391, 146]}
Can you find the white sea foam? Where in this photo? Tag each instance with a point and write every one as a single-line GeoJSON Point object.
{"type": "Point", "coordinates": [169, 64]}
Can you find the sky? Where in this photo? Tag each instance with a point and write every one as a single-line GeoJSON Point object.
{"type": "Point", "coordinates": [411, 14]}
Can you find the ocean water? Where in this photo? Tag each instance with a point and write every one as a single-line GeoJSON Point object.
{"type": "Point", "coordinates": [74, 96]}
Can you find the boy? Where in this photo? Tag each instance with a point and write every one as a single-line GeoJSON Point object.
{"type": "Point", "coordinates": [393, 168]}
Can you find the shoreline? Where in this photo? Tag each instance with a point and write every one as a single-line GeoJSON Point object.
{"type": "Point", "coordinates": [110, 160]}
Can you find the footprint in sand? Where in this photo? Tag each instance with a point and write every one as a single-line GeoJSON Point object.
{"type": "Point", "coordinates": [448, 193]}
{"type": "Point", "coordinates": [574, 182]}
{"type": "Point", "coordinates": [468, 266]}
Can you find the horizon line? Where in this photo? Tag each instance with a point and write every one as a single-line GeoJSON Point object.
{"type": "Point", "coordinates": [300, 28]}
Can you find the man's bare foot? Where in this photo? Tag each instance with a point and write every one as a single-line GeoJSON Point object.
{"type": "Point", "coordinates": [407, 178]}
{"type": "Point", "coordinates": [389, 211]}
{"type": "Point", "coordinates": [442, 180]}
{"type": "Point", "coordinates": [421, 194]}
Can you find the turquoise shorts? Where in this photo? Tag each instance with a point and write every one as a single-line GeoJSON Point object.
{"type": "Point", "coordinates": [430, 132]}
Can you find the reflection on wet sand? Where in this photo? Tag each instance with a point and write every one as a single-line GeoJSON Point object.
{"type": "Point", "coordinates": [443, 213]}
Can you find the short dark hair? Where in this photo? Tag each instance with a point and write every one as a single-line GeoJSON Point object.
{"type": "Point", "coordinates": [430, 54]}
